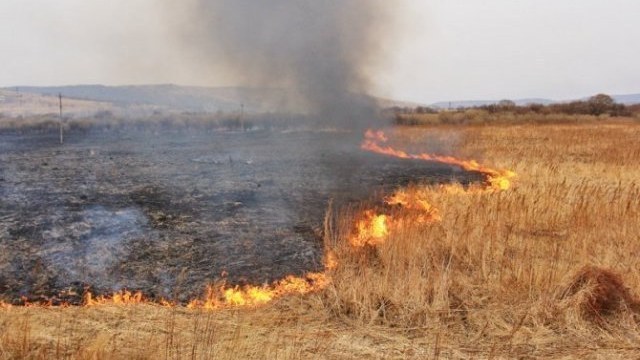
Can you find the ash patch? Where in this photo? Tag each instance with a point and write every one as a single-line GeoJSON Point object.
{"type": "Point", "coordinates": [91, 249]}
{"type": "Point", "coordinates": [61, 254]}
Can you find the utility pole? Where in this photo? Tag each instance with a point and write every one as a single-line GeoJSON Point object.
{"type": "Point", "coordinates": [242, 117]}
{"type": "Point", "coordinates": [19, 97]}
{"type": "Point", "coordinates": [61, 130]}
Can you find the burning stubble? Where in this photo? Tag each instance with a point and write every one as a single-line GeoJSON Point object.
{"type": "Point", "coordinates": [322, 53]}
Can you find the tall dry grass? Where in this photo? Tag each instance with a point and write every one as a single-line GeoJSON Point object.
{"type": "Point", "coordinates": [546, 269]}
{"type": "Point", "coordinates": [551, 263]}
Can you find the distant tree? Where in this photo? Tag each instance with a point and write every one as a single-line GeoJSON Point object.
{"type": "Point", "coordinates": [621, 110]}
{"type": "Point", "coordinates": [104, 115]}
{"type": "Point", "coordinates": [601, 104]}
{"type": "Point", "coordinates": [425, 110]}
{"type": "Point", "coordinates": [571, 108]}
{"type": "Point", "coordinates": [507, 104]}
{"type": "Point", "coordinates": [536, 108]}
{"type": "Point", "coordinates": [634, 109]}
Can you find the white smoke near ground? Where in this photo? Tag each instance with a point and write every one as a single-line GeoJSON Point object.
{"type": "Point", "coordinates": [91, 248]}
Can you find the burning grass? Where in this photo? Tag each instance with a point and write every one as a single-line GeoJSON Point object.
{"type": "Point", "coordinates": [545, 269]}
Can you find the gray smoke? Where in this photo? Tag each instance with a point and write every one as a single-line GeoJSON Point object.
{"type": "Point", "coordinates": [322, 52]}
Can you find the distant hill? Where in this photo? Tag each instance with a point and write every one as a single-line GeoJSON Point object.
{"type": "Point", "coordinates": [19, 103]}
{"type": "Point", "coordinates": [179, 98]}
{"type": "Point", "coordinates": [629, 99]}
{"type": "Point", "coordinates": [183, 98]}
{"type": "Point", "coordinates": [149, 98]}
{"type": "Point", "coordinates": [389, 103]}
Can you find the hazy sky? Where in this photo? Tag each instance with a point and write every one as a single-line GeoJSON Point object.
{"type": "Point", "coordinates": [441, 50]}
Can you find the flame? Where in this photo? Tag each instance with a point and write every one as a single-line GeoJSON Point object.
{"type": "Point", "coordinates": [215, 298]}
{"type": "Point", "coordinates": [330, 259]}
{"type": "Point", "coordinates": [123, 297]}
{"type": "Point", "coordinates": [374, 141]}
{"type": "Point", "coordinates": [224, 297]}
{"type": "Point", "coordinates": [420, 210]}
{"type": "Point", "coordinates": [372, 229]}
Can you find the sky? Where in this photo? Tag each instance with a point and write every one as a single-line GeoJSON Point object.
{"type": "Point", "coordinates": [438, 50]}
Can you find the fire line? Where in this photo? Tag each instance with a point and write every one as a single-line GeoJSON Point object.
{"type": "Point", "coordinates": [371, 229]}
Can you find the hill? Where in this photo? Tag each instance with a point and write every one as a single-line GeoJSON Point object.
{"type": "Point", "coordinates": [169, 97]}
{"type": "Point", "coordinates": [19, 103]}
{"type": "Point", "coordinates": [628, 99]}
{"type": "Point", "coordinates": [134, 100]}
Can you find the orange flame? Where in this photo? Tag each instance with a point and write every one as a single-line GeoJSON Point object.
{"type": "Point", "coordinates": [495, 179]}
{"type": "Point", "coordinates": [214, 298]}
{"type": "Point", "coordinates": [330, 259]}
{"type": "Point", "coordinates": [123, 297]}
{"type": "Point", "coordinates": [420, 210]}
{"type": "Point", "coordinates": [373, 229]}
{"type": "Point", "coordinates": [223, 297]}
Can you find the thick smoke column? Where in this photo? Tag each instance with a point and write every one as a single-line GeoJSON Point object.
{"type": "Point", "coordinates": [321, 51]}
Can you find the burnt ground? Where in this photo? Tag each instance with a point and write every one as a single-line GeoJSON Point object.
{"type": "Point", "coordinates": [169, 211]}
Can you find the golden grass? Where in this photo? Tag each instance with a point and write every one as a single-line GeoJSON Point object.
{"type": "Point", "coordinates": [546, 269]}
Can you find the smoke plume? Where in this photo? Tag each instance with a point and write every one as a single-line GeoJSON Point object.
{"type": "Point", "coordinates": [322, 52]}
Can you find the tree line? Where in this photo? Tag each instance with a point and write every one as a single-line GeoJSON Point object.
{"type": "Point", "coordinates": [600, 104]}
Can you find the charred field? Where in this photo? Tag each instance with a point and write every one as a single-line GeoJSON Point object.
{"type": "Point", "coordinates": [545, 268]}
{"type": "Point", "coordinates": [168, 210]}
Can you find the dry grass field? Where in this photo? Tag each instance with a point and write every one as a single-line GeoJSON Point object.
{"type": "Point", "coordinates": [545, 269]}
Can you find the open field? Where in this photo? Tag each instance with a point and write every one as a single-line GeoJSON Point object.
{"type": "Point", "coordinates": [545, 269]}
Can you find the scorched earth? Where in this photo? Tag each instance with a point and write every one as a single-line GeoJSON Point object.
{"type": "Point", "coordinates": [166, 211]}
